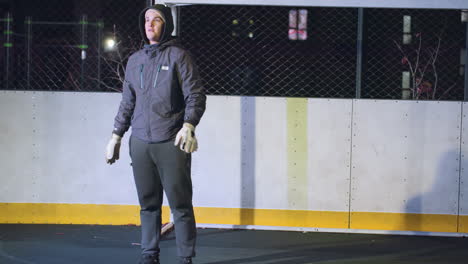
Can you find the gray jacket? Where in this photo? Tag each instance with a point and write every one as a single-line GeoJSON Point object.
{"type": "Point", "coordinates": [162, 90]}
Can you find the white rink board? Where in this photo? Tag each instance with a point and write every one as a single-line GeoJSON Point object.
{"type": "Point", "coordinates": [52, 151]}
{"type": "Point", "coordinates": [16, 147]}
{"type": "Point", "coordinates": [242, 157]}
{"type": "Point", "coordinates": [62, 138]}
{"type": "Point", "coordinates": [405, 156]}
{"type": "Point", "coordinates": [271, 182]}
{"type": "Point", "coordinates": [216, 165]}
{"type": "Point", "coordinates": [329, 136]}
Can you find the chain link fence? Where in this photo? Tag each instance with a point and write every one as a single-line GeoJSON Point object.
{"type": "Point", "coordinates": [251, 50]}
{"type": "Point", "coordinates": [58, 56]}
{"type": "Point", "coordinates": [245, 50]}
{"type": "Point", "coordinates": [427, 56]}
{"type": "Point", "coordinates": [58, 46]}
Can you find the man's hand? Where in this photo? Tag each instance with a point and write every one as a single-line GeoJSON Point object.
{"type": "Point", "coordinates": [113, 149]}
{"type": "Point", "coordinates": [186, 139]}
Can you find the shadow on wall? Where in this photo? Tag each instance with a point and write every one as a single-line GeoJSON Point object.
{"type": "Point", "coordinates": [443, 195]}
{"type": "Point", "coordinates": [247, 161]}
{"type": "Point", "coordinates": [244, 80]}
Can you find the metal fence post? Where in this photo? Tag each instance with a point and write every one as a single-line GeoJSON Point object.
{"type": "Point", "coordinates": [99, 50]}
{"type": "Point", "coordinates": [83, 46]}
{"type": "Point", "coordinates": [466, 63]}
{"type": "Point", "coordinates": [8, 44]}
{"type": "Point", "coordinates": [28, 23]}
{"type": "Point", "coordinates": [360, 26]}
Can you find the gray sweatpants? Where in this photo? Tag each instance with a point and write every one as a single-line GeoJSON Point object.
{"type": "Point", "coordinates": [159, 166]}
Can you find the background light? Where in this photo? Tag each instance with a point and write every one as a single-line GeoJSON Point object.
{"type": "Point", "coordinates": [110, 44]}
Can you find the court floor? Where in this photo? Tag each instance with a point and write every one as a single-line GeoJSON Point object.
{"type": "Point", "coordinates": [87, 244]}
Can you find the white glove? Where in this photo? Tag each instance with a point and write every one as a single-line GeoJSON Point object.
{"type": "Point", "coordinates": [186, 139]}
{"type": "Point", "coordinates": [113, 149]}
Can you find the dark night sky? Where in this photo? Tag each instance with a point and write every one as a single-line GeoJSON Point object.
{"type": "Point", "coordinates": [123, 13]}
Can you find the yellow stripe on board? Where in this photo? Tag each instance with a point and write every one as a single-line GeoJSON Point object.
{"type": "Point", "coordinates": [270, 217]}
{"type": "Point", "coordinates": [37, 213]}
{"type": "Point", "coordinates": [463, 224]}
{"type": "Point", "coordinates": [297, 153]}
{"type": "Point", "coordinates": [50, 213]}
{"type": "Point", "coordinates": [129, 214]}
{"type": "Point", "coordinates": [404, 222]}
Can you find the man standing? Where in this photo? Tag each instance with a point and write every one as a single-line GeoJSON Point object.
{"type": "Point", "coordinates": [163, 100]}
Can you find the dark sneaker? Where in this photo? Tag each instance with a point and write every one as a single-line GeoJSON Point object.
{"type": "Point", "coordinates": [149, 259]}
{"type": "Point", "coordinates": [185, 261]}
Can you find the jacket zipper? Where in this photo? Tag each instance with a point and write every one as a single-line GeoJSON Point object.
{"type": "Point", "coordinates": [154, 85]}
{"type": "Point", "coordinates": [141, 76]}
{"type": "Point", "coordinates": [157, 75]}
{"type": "Point", "coordinates": [148, 131]}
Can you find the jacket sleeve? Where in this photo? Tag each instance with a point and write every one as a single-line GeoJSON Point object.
{"type": "Point", "coordinates": [127, 105]}
{"type": "Point", "coordinates": [192, 89]}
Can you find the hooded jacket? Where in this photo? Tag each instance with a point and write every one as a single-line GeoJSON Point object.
{"type": "Point", "coordinates": [162, 88]}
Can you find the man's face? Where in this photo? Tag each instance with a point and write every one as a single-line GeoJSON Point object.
{"type": "Point", "coordinates": [153, 26]}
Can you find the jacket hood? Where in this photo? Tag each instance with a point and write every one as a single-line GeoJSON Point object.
{"type": "Point", "coordinates": [168, 25]}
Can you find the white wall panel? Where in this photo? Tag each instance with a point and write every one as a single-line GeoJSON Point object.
{"type": "Point", "coordinates": [216, 165]}
{"type": "Point", "coordinates": [17, 176]}
{"type": "Point", "coordinates": [271, 180]}
{"type": "Point", "coordinates": [405, 156]}
{"type": "Point", "coordinates": [329, 136]}
{"type": "Point", "coordinates": [60, 141]}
